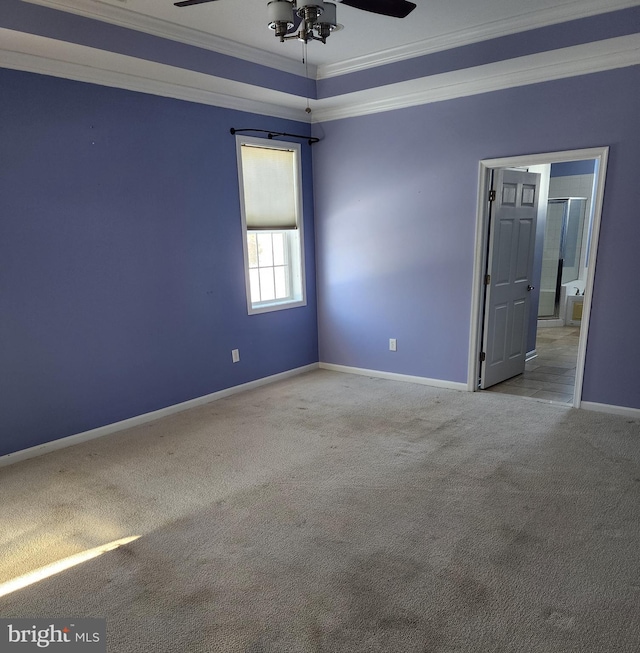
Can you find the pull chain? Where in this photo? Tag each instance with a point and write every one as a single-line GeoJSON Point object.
{"type": "Point", "coordinates": [306, 71]}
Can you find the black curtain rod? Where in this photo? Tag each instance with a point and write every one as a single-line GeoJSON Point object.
{"type": "Point", "coordinates": [270, 134]}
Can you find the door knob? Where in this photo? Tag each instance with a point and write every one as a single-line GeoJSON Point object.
{"type": "Point", "coordinates": [530, 288]}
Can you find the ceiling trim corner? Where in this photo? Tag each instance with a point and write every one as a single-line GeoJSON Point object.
{"type": "Point", "coordinates": [620, 52]}
{"type": "Point", "coordinates": [41, 55]}
{"type": "Point", "coordinates": [123, 17]}
{"type": "Point", "coordinates": [495, 29]}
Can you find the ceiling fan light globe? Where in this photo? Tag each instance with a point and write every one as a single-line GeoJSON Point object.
{"type": "Point", "coordinates": [280, 15]}
{"type": "Point", "coordinates": [329, 18]}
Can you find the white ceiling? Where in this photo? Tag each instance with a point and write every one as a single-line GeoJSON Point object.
{"type": "Point", "coordinates": [367, 39]}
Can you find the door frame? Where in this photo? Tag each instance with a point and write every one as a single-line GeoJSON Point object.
{"type": "Point", "coordinates": [483, 216]}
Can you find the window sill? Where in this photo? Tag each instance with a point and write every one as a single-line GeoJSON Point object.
{"type": "Point", "coordinates": [276, 306]}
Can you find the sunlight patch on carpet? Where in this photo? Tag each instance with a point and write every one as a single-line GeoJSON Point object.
{"type": "Point", "coordinates": [61, 565]}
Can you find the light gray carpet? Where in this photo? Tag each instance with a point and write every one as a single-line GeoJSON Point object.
{"type": "Point", "coordinates": [340, 513]}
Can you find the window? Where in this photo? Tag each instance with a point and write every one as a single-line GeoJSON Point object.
{"type": "Point", "coordinates": [270, 200]}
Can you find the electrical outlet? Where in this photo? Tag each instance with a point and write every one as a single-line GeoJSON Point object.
{"type": "Point", "coordinates": [235, 355]}
{"type": "Point", "coordinates": [393, 344]}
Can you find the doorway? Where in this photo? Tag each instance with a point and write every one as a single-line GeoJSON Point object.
{"type": "Point", "coordinates": [548, 342]}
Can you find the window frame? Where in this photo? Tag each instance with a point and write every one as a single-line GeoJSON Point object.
{"type": "Point", "coordinates": [294, 238]}
{"type": "Point", "coordinates": [288, 262]}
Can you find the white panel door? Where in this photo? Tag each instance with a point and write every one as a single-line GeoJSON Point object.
{"type": "Point", "coordinates": [508, 283]}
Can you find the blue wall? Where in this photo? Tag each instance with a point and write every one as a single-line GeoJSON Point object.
{"type": "Point", "coordinates": [396, 198]}
{"type": "Point", "coordinates": [121, 269]}
{"type": "Point", "coordinates": [121, 277]}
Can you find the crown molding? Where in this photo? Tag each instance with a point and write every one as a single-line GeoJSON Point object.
{"type": "Point", "coordinates": [123, 17]}
{"type": "Point", "coordinates": [38, 54]}
{"type": "Point", "coordinates": [584, 59]}
{"type": "Point", "coordinates": [46, 56]}
{"type": "Point", "coordinates": [496, 29]}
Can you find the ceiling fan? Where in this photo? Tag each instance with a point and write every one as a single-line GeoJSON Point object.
{"type": "Point", "coordinates": [314, 20]}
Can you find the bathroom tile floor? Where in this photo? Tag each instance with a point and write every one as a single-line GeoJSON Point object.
{"type": "Point", "coordinates": [551, 375]}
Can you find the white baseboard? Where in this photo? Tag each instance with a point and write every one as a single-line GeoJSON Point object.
{"type": "Point", "coordinates": [69, 441]}
{"type": "Point", "coordinates": [392, 376]}
{"type": "Point", "coordinates": [612, 409]}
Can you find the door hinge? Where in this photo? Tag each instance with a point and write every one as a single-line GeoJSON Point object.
{"type": "Point", "coordinates": [483, 357]}
{"type": "Point", "coordinates": [492, 195]}
{"type": "Point", "coordinates": [487, 279]}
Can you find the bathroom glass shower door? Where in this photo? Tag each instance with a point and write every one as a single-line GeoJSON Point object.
{"type": "Point", "coordinates": [562, 251]}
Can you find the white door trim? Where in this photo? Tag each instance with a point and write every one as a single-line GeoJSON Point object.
{"type": "Point", "coordinates": [486, 167]}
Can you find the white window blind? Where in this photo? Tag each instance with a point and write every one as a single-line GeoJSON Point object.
{"type": "Point", "coordinates": [269, 184]}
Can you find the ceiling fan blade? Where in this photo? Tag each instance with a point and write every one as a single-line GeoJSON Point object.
{"type": "Point", "coordinates": [188, 3]}
{"type": "Point", "coordinates": [393, 8]}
